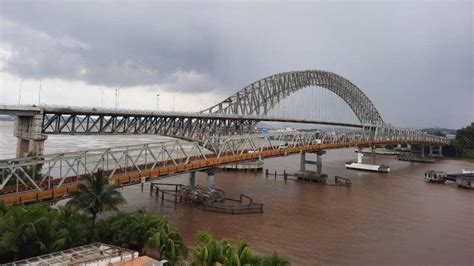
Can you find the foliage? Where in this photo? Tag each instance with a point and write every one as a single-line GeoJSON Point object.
{"type": "Point", "coordinates": [226, 252]}
{"type": "Point", "coordinates": [95, 196]}
{"type": "Point", "coordinates": [464, 142]}
{"type": "Point", "coordinates": [72, 226]}
{"type": "Point", "coordinates": [438, 133]}
{"type": "Point", "coordinates": [27, 231]}
{"type": "Point", "coordinates": [143, 232]}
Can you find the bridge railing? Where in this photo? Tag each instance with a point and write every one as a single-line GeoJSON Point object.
{"type": "Point", "coordinates": [53, 170]}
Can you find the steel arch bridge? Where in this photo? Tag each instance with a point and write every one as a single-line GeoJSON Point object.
{"type": "Point", "coordinates": [21, 182]}
{"type": "Point", "coordinates": [238, 114]}
{"type": "Point", "coordinates": [263, 95]}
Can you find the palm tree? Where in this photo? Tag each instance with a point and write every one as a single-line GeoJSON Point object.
{"type": "Point", "coordinates": [96, 195]}
{"type": "Point", "coordinates": [27, 231]}
{"type": "Point", "coordinates": [72, 227]}
{"type": "Point", "coordinates": [169, 242]}
{"type": "Point", "coordinates": [274, 260]}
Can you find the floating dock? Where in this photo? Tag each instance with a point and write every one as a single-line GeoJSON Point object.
{"type": "Point", "coordinates": [368, 167]}
{"type": "Point", "coordinates": [311, 176]}
{"type": "Point", "coordinates": [416, 159]}
{"type": "Point", "coordinates": [380, 151]}
{"type": "Point", "coordinates": [465, 179]}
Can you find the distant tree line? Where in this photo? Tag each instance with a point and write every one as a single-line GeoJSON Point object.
{"type": "Point", "coordinates": [464, 142]}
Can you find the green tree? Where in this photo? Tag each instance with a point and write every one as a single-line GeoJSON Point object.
{"type": "Point", "coordinates": [210, 252]}
{"type": "Point", "coordinates": [464, 142]}
{"type": "Point", "coordinates": [144, 232]}
{"type": "Point", "coordinates": [72, 227]}
{"type": "Point", "coordinates": [169, 243]}
{"type": "Point", "coordinates": [27, 231]}
{"type": "Point", "coordinates": [273, 260]}
{"type": "Point", "coordinates": [95, 195]}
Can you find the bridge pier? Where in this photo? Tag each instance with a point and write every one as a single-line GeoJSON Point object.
{"type": "Point", "coordinates": [303, 161]}
{"type": "Point", "coordinates": [360, 155]}
{"type": "Point", "coordinates": [210, 181]}
{"type": "Point", "coordinates": [192, 179]}
{"type": "Point", "coordinates": [373, 154]}
{"type": "Point", "coordinates": [308, 175]}
{"type": "Point", "coordinates": [318, 162]}
{"type": "Point", "coordinates": [436, 151]}
{"type": "Point", "coordinates": [30, 139]}
{"type": "Point", "coordinates": [422, 150]}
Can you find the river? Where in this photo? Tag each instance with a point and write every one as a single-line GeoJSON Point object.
{"type": "Point", "coordinates": [383, 219]}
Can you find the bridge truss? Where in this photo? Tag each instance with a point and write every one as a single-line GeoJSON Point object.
{"type": "Point", "coordinates": [261, 96]}
{"type": "Point", "coordinates": [40, 178]}
{"type": "Point", "coordinates": [197, 126]}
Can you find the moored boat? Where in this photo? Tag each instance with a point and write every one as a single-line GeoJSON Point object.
{"type": "Point", "coordinates": [436, 176]}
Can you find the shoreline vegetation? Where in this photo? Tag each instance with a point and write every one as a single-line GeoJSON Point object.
{"type": "Point", "coordinates": [32, 230]}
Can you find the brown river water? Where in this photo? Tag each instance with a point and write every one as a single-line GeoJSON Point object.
{"type": "Point", "coordinates": [383, 219]}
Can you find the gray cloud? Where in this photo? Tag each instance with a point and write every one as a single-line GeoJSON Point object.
{"type": "Point", "coordinates": [412, 54]}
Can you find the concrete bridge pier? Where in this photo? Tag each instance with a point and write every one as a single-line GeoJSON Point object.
{"type": "Point", "coordinates": [309, 175]}
{"type": "Point", "coordinates": [303, 161]}
{"type": "Point", "coordinates": [210, 178]}
{"type": "Point", "coordinates": [373, 154]}
{"type": "Point", "coordinates": [436, 150]}
{"type": "Point", "coordinates": [360, 155]}
{"type": "Point", "coordinates": [30, 139]}
{"type": "Point", "coordinates": [192, 179]}
{"type": "Point", "coordinates": [210, 181]}
{"type": "Point", "coordinates": [422, 150]}
{"type": "Point", "coordinates": [319, 162]}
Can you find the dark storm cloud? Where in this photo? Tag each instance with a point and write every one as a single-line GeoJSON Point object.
{"type": "Point", "coordinates": [409, 57]}
{"type": "Point", "coordinates": [107, 44]}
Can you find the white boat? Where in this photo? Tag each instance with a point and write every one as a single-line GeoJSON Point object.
{"type": "Point", "coordinates": [368, 167]}
{"type": "Point", "coordinates": [466, 171]}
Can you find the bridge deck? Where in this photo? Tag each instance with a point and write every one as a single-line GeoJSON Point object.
{"type": "Point", "coordinates": [134, 177]}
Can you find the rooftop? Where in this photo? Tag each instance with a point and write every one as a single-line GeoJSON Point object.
{"type": "Point", "coordinates": [91, 254]}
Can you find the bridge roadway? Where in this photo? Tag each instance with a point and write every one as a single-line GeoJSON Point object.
{"type": "Point", "coordinates": [132, 165]}
{"type": "Point", "coordinates": [87, 120]}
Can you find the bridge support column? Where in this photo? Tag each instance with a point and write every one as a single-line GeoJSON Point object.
{"type": "Point", "coordinates": [422, 150]}
{"type": "Point", "coordinates": [192, 179]}
{"type": "Point", "coordinates": [210, 181]}
{"type": "Point", "coordinates": [319, 163]}
{"type": "Point", "coordinates": [302, 161]}
{"type": "Point", "coordinates": [30, 139]}
{"type": "Point", "coordinates": [360, 155]}
{"type": "Point", "coordinates": [440, 151]}
{"type": "Point", "coordinates": [431, 150]}
{"type": "Point", "coordinates": [373, 154]}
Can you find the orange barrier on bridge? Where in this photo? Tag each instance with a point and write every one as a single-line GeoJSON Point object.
{"type": "Point", "coordinates": [135, 177]}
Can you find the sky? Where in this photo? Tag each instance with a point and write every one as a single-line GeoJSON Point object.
{"type": "Point", "coordinates": [413, 59]}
